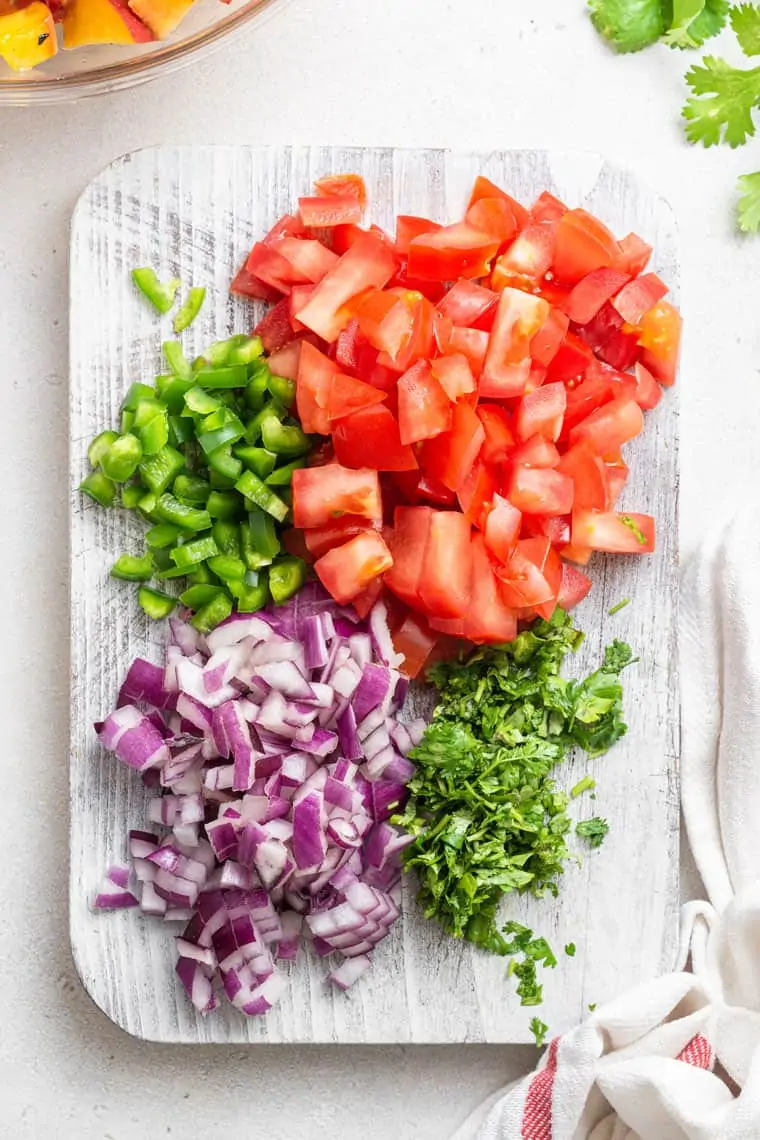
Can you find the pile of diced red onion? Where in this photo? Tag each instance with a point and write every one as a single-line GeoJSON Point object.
{"type": "Point", "coordinates": [276, 750]}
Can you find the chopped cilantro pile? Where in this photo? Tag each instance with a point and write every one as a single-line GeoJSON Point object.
{"type": "Point", "coordinates": [485, 812]}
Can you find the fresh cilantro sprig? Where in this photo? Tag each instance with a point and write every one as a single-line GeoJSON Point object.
{"type": "Point", "coordinates": [723, 98]}
{"type": "Point", "coordinates": [486, 815]}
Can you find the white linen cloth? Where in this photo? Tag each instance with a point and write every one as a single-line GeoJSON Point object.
{"type": "Point", "coordinates": [679, 1058]}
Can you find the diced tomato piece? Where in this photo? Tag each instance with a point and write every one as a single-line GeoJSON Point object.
{"type": "Point", "coordinates": [275, 328]}
{"type": "Point", "coordinates": [541, 412]}
{"type": "Point", "coordinates": [322, 494]}
{"type": "Point", "coordinates": [634, 255]}
{"type": "Point", "coordinates": [433, 290]}
{"type": "Point", "coordinates": [308, 258]}
{"type": "Point", "coordinates": [244, 284]}
{"type": "Point", "coordinates": [639, 296]}
{"type": "Point", "coordinates": [346, 395]}
{"type": "Point", "coordinates": [593, 291]}
{"type": "Point", "coordinates": [348, 346]}
{"type": "Point", "coordinates": [484, 188]}
{"type": "Point", "coordinates": [454, 375]}
{"type": "Point", "coordinates": [364, 601]}
{"type": "Point", "coordinates": [661, 340]}
{"type": "Point", "coordinates": [407, 542]}
{"type": "Point", "coordinates": [536, 452]}
{"type": "Point", "coordinates": [342, 186]}
{"type": "Point", "coordinates": [548, 340]}
{"type": "Point", "coordinates": [415, 642]}
{"type": "Point", "coordinates": [370, 438]}
{"type": "Point", "coordinates": [571, 360]}
{"type": "Point", "coordinates": [315, 374]}
{"type": "Point", "coordinates": [494, 216]}
{"type": "Point", "coordinates": [269, 265]}
{"type": "Point", "coordinates": [610, 426]}
{"type": "Point", "coordinates": [320, 539]}
{"type": "Point", "coordinates": [323, 212]}
{"type": "Point", "coordinates": [614, 533]}
{"type": "Point", "coordinates": [528, 258]}
{"type": "Point", "coordinates": [286, 360]}
{"type": "Point", "coordinates": [556, 529]}
{"type": "Point", "coordinates": [424, 409]}
{"type": "Point", "coordinates": [444, 585]}
{"type": "Point", "coordinates": [451, 252]}
{"type": "Point", "coordinates": [341, 238]}
{"type": "Point", "coordinates": [466, 303]}
{"type": "Point", "coordinates": [477, 492]}
{"type": "Point", "coordinates": [610, 339]}
{"type": "Point", "coordinates": [508, 361]}
{"type": "Point", "coordinates": [385, 319]}
{"type": "Point", "coordinates": [368, 264]}
{"type": "Point", "coordinates": [541, 491]}
{"type": "Point", "coordinates": [580, 555]}
{"type": "Point", "coordinates": [499, 441]}
{"type": "Point", "coordinates": [617, 477]}
{"type": "Point", "coordinates": [547, 208]}
{"type": "Point", "coordinates": [589, 475]}
{"type": "Point", "coordinates": [593, 391]}
{"type": "Point", "coordinates": [348, 570]}
{"type": "Point", "coordinates": [294, 542]}
{"type": "Point", "coordinates": [299, 297]}
{"type": "Point", "coordinates": [289, 225]}
{"type": "Point", "coordinates": [432, 491]}
{"type": "Point", "coordinates": [450, 457]}
{"type": "Point", "coordinates": [648, 391]}
{"type": "Point", "coordinates": [533, 575]}
{"type": "Point", "coordinates": [409, 227]}
{"type": "Point", "coordinates": [471, 343]}
{"type": "Point", "coordinates": [419, 345]}
{"type": "Point", "coordinates": [574, 587]}
{"type": "Point", "coordinates": [502, 528]}
{"type": "Point", "coordinates": [452, 627]}
{"type": "Point", "coordinates": [583, 244]}
{"type": "Point", "coordinates": [488, 618]}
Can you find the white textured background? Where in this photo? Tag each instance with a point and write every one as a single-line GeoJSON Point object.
{"type": "Point", "coordinates": [461, 73]}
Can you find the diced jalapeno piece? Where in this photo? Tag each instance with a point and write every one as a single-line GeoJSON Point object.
{"type": "Point", "coordinates": [156, 603]}
{"type": "Point", "coordinates": [191, 489]}
{"type": "Point", "coordinates": [212, 613]}
{"type": "Point", "coordinates": [252, 487]}
{"type": "Point", "coordinates": [256, 459]}
{"type": "Point", "coordinates": [282, 389]}
{"type": "Point", "coordinates": [99, 488]}
{"type": "Point", "coordinates": [132, 569]}
{"type": "Point", "coordinates": [171, 510]}
{"type": "Point", "coordinates": [119, 462]}
{"type": "Point", "coordinates": [282, 476]}
{"type": "Point", "coordinates": [284, 439]}
{"type": "Point", "coordinates": [100, 446]}
{"type": "Point", "coordinates": [196, 596]}
{"type": "Point", "coordinates": [159, 471]}
{"type": "Point", "coordinates": [286, 577]}
{"type": "Point", "coordinates": [176, 360]}
{"type": "Point", "coordinates": [162, 535]}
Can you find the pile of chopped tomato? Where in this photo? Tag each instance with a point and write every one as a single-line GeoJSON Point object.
{"type": "Point", "coordinates": [475, 384]}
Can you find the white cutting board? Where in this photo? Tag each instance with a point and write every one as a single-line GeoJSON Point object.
{"type": "Point", "coordinates": [195, 213]}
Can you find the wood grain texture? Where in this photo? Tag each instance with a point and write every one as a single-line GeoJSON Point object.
{"type": "Point", "coordinates": [195, 213]}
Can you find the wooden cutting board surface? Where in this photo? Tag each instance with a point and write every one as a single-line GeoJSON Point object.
{"type": "Point", "coordinates": [194, 213]}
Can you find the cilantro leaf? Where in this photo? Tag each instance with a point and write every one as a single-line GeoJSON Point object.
{"type": "Point", "coordinates": [539, 1031]}
{"type": "Point", "coordinates": [726, 99]}
{"type": "Point", "coordinates": [684, 13]}
{"type": "Point", "coordinates": [594, 830]}
{"type": "Point", "coordinates": [629, 25]}
{"type": "Point", "coordinates": [570, 949]}
{"type": "Point", "coordinates": [707, 23]}
{"type": "Point", "coordinates": [749, 203]}
{"type": "Point", "coordinates": [745, 20]}
{"type": "Point", "coordinates": [485, 814]}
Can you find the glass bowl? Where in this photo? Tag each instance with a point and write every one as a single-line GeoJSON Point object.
{"type": "Point", "coordinates": [86, 71]}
